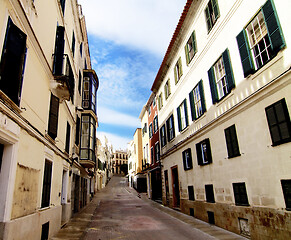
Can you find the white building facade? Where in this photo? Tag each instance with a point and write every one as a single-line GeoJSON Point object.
{"type": "Point", "coordinates": [225, 83]}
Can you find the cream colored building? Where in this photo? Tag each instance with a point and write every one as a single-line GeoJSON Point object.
{"type": "Point", "coordinates": [224, 121]}
{"type": "Point", "coordinates": [104, 165]}
{"type": "Point", "coordinates": [46, 162]}
{"type": "Point", "coordinates": [137, 179]}
{"type": "Point", "coordinates": [119, 158]}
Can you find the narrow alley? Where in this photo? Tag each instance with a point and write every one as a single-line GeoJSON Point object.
{"type": "Point", "coordinates": [119, 212]}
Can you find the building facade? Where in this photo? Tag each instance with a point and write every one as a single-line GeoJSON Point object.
{"type": "Point", "coordinates": [120, 162]}
{"type": "Point", "coordinates": [47, 116]}
{"type": "Point", "coordinates": [225, 118]}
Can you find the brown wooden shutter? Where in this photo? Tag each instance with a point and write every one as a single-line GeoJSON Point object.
{"type": "Point", "coordinates": [53, 117]}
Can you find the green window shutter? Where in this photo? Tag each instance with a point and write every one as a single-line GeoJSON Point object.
{"type": "Point", "coordinates": [165, 91]}
{"type": "Point", "coordinates": [213, 87]}
{"type": "Point", "coordinates": [208, 150]}
{"type": "Point", "coordinates": [215, 8]}
{"type": "Point", "coordinates": [194, 42]}
{"type": "Point", "coordinates": [192, 105]}
{"type": "Point", "coordinates": [273, 25]}
{"type": "Point", "coordinates": [186, 112]}
{"type": "Point", "coordinates": [208, 20]}
{"type": "Point", "coordinates": [199, 154]}
{"type": "Point", "coordinates": [187, 54]}
{"type": "Point", "coordinates": [179, 119]}
{"type": "Point", "coordinates": [180, 67]}
{"type": "Point", "coordinates": [228, 70]}
{"type": "Point", "coordinates": [201, 90]}
{"type": "Point", "coordinates": [245, 54]}
{"type": "Point", "coordinates": [175, 75]}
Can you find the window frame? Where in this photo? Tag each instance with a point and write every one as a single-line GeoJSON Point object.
{"type": "Point", "coordinates": [279, 122]}
{"type": "Point", "coordinates": [170, 124]}
{"type": "Point", "coordinates": [197, 90]}
{"type": "Point", "coordinates": [163, 135]}
{"type": "Point", "coordinates": [190, 48]}
{"type": "Point", "coordinates": [231, 142]}
{"type": "Point", "coordinates": [178, 71]}
{"type": "Point", "coordinates": [47, 183]}
{"type": "Point", "coordinates": [167, 89]}
{"type": "Point", "coordinates": [156, 124]}
{"type": "Point", "coordinates": [182, 113]}
{"type": "Point", "coordinates": [240, 194]}
{"type": "Point", "coordinates": [209, 193]}
{"type": "Point", "coordinates": [187, 159]}
{"type": "Point", "coordinates": [203, 151]}
{"type": "Point", "coordinates": [151, 130]}
{"type": "Point", "coordinates": [286, 189]}
{"type": "Point", "coordinates": [211, 16]}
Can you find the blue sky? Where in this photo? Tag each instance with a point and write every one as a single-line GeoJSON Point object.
{"type": "Point", "coordinates": [127, 41]}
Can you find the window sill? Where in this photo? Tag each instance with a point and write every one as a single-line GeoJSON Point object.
{"type": "Point", "coordinates": [224, 98]}
{"type": "Point", "coordinates": [281, 142]}
{"type": "Point", "coordinates": [234, 156]}
{"type": "Point", "coordinates": [200, 117]}
{"type": "Point", "coordinates": [184, 129]}
{"type": "Point", "coordinates": [242, 205]}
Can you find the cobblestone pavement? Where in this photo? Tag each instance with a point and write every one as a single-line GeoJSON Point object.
{"type": "Point", "coordinates": [119, 212]}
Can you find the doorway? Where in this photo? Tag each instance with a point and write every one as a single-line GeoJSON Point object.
{"type": "Point", "coordinates": [175, 186]}
{"type": "Point", "coordinates": [167, 186]}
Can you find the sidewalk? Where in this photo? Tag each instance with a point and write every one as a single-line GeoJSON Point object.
{"type": "Point", "coordinates": [79, 225]}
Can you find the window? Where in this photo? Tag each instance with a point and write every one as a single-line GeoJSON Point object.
{"type": "Point", "coordinates": [211, 13]}
{"type": "Point", "coordinates": [182, 116]}
{"type": "Point", "coordinates": [170, 128]}
{"type": "Point", "coordinates": [240, 194]}
{"type": "Point", "coordinates": [68, 133]}
{"type": "Point", "coordinates": [197, 101]}
{"type": "Point", "coordinates": [13, 62]}
{"type": "Point", "coordinates": [151, 130]}
{"type": "Point", "coordinates": [53, 117]}
{"type": "Point", "coordinates": [81, 49]}
{"type": "Point", "coordinates": [73, 43]}
{"type": "Point", "coordinates": [221, 77]}
{"type": "Point", "coordinates": [167, 89]}
{"type": "Point", "coordinates": [152, 155]}
{"type": "Point", "coordinates": [156, 127]}
{"type": "Point", "coordinates": [187, 159]}
{"type": "Point", "coordinates": [211, 219]}
{"type": "Point", "coordinates": [160, 101]}
{"type": "Point", "coordinates": [231, 142]}
{"type": "Point", "coordinates": [80, 82]}
{"type": "Point", "coordinates": [59, 51]}
{"type": "Point", "coordinates": [157, 151]}
{"type": "Point", "coordinates": [209, 193]}
{"type": "Point", "coordinates": [191, 193]}
{"type": "Point", "coordinates": [286, 187]}
{"type": "Point", "coordinates": [46, 187]}
{"type": "Point", "coordinates": [261, 40]}
{"type": "Point", "coordinates": [62, 2]}
{"type": "Point", "coordinates": [279, 122]}
{"type": "Point", "coordinates": [190, 48]}
{"type": "Point", "coordinates": [45, 231]}
{"type": "Point", "coordinates": [88, 132]}
{"type": "Point", "coordinates": [144, 129]}
{"type": "Point", "coordinates": [163, 136]}
{"type": "Point", "coordinates": [203, 152]}
{"type": "Point", "coordinates": [178, 70]}
{"type": "Point", "coordinates": [89, 92]}
{"type": "Point", "coordinates": [154, 102]}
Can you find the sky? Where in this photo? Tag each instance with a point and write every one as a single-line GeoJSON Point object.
{"type": "Point", "coordinates": [127, 40]}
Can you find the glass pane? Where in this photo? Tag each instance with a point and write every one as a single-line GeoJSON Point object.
{"type": "Point", "coordinates": [84, 154]}
{"type": "Point", "coordinates": [85, 141]}
{"type": "Point", "coordinates": [85, 128]}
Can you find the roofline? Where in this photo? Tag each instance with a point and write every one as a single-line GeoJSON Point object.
{"type": "Point", "coordinates": [172, 42]}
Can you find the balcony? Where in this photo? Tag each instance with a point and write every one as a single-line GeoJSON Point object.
{"type": "Point", "coordinates": [88, 163]}
{"type": "Point", "coordinates": [64, 83]}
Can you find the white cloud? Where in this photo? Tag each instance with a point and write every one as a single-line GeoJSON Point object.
{"type": "Point", "coordinates": [116, 141]}
{"type": "Point", "coordinates": [112, 117]}
{"type": "Point", "coordinates": [143, 24]}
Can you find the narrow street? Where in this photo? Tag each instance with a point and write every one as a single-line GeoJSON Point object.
{"type": "Point", "coordinates": [119, 212]}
